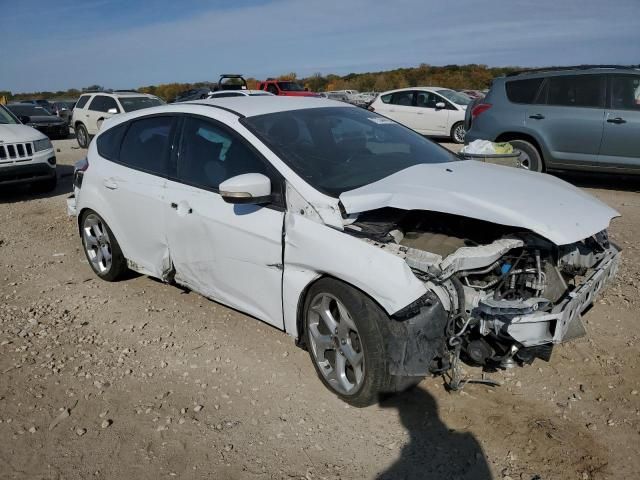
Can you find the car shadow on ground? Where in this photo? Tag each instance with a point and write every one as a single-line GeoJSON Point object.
{"type": "Point", "coordinates": [434, 450]}
{"type": "Point", "coordinates": [607, 181]}
{"type": "Point", "coordinates": [25, 192]}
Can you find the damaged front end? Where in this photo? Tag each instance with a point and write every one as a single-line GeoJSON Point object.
{"type": "Point", "coordinates": [497, 295]}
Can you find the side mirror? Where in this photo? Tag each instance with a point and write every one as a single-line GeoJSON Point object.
{"type": "Point", "coordinates": [112, 111]}
{"type": "Point", "coordinates": [24, 119]}
{"type": "Point", "coordinates": [440, 105]}
{"type": "Point", "coordinates": [248, 188]}
{"type": "Point", "coordinates": [306, 89]}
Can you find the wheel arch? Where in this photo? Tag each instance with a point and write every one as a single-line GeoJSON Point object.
{"type": "Point", "coordinates": [302, 298]}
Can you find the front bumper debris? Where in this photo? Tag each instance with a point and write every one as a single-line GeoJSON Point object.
{"type": "Point", "coordinates": [564, 322]}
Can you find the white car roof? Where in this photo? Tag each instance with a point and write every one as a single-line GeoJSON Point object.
{"type": "Point", "coordinates": [242, 92]}
{"type": "Point", "coordinates": [427, 89]}
{"type": "Point", "coordinates": [262, 105]}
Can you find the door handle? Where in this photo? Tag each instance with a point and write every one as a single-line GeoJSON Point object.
{"type": "Point", "coordinates": [617, 120]}
{"type": "Point", "coordinates": [110, 183]}
{"type": "Point", "coordinates": [183, 208]}
{"type": "Point", "coordinates": [537, 116]}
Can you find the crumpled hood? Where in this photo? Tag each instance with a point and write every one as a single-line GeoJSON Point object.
{"type": "Point", "coordinates": [538, 202]}
{"type": "Point", "coordinates": [15, 133]}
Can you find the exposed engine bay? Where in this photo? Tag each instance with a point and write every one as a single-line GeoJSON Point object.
{"type": "Point", "coordinates": [504, 295]}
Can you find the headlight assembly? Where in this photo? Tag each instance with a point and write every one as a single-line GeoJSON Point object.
{"type": "Point", "coordinates": [42, 144]}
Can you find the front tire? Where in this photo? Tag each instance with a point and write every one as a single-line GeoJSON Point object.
{"type": "Point", "coordinates": [530, 158]}
{"type": "Point", "coordinates": [344, 332]}
{"type": "Point", "coordinates": [458, 132]}
{"type": "Point", "coordinates": [101, 247]}
{"type": "Point", "coordinates": [82, 135]}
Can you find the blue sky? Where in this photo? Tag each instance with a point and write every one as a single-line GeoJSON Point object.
{"type": "Point", "coordinates": [51, 45]}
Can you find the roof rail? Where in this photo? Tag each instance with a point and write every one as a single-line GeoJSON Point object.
{"type": "Point", "coordinates": [572, 67]}
{"type": "Point", "coordinates": [125, 91]}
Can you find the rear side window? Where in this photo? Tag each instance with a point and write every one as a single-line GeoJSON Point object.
{"type": "Point", "coordinates": [403, 98]}
{"type": "Point", "coordinates": [523, 91]}
{"type": "Point", "coordinates": [386, 98]}
{"type": "Point", "coordinates": [625, 92]}
{"type": "Point", "coordinates": [82, 101]}
{"type": "Point", "coordinates": [102, 103]}
{"type": "Point", "coordinates": [109, 142]}
{"type": "Point", "coordinates": [146, 144]}
{"type": "Point", "coordinates": [576, 91]}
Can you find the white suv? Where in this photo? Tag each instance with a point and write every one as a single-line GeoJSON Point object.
{"type": "Point", "coordinates": [433, 111]}
{"type": "Point", "coordinates": [26, 155]}
{"type": "Point", "coordinates": [93, 108]}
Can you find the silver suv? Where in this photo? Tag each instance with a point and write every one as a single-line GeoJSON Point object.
{"type": "Point", "coordinates": [570, 118]}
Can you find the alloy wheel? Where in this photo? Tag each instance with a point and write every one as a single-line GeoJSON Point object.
{"type": "Point", "coordinates": [335, 344]}
{"type": "Point", "coordinates": [459, 133]}
{"type": "Point", "coordinates": [97, 243]}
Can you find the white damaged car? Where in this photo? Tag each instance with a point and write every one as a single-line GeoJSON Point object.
{"type": "Point", "coordinates": [379, 251]}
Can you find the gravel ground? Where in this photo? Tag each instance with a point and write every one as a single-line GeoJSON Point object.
{"type": "Point", "coordinates": [138, 379]}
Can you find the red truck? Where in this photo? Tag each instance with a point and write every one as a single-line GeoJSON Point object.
{"type": "Point", "coordinates": [285, 87]}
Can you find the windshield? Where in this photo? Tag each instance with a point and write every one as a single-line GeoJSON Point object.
{"type": "Point", "coordinates": [138, 103]}
{"type": "Point", "coordinates": [456, 97]}
{"type": "Point", "coordinates": [290, 87]}
{"type": "Point", "coordinates": [260, 94]}
{"type": "Point", "coordinates": [28, 110]}
{"type": "Point", "coordinates": [6, 117]}
{"type": "Point", "coordinates": [337, 149]}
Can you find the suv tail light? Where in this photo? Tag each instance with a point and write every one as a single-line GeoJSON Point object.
{"type": "Point", "coordinates": [480, 108]}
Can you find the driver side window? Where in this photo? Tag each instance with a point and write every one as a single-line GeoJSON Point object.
{"type": "Point", "coordinates": [209, 155]}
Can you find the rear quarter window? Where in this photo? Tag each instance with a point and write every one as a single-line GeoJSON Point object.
{"type": "Point", "coordinates": [109, 142]}
{"type": "Point", "coordinates": [386, 98]}
{"type": "Point", "coordinates": [523, 91]}
{"type": "Point", "coordinates": [82, 101]}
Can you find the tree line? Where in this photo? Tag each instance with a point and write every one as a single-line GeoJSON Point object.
{"type": "Point", "coordinates": [474, 76]}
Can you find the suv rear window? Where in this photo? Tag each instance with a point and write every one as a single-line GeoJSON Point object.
{"type": "Point", "coordinates": [576, 90]}
{"type": "Point", "coordinates": [82, 101]}
{"type": "Point", "coordinates": [523, 91]}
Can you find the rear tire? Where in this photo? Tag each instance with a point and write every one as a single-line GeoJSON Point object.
{"type": "Point", "coordinates": [458, 132]}
{"type": "Point", "coordinates": [360, 327]}
{"type": "Point", "coordinates": [101, 247]}
{"type": "Point", "coordinates": [82, 135]}
{"type": "Point", "coordinates": [530, 159]}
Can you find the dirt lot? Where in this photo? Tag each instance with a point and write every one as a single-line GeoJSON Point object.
{"type": "Point", "coordinates": [139, 379]}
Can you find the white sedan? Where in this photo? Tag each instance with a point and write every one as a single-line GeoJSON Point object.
{"type": "Point", "coordinates": [432, 111]}
{"type": "Point", "coordinates": [380, 252]}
